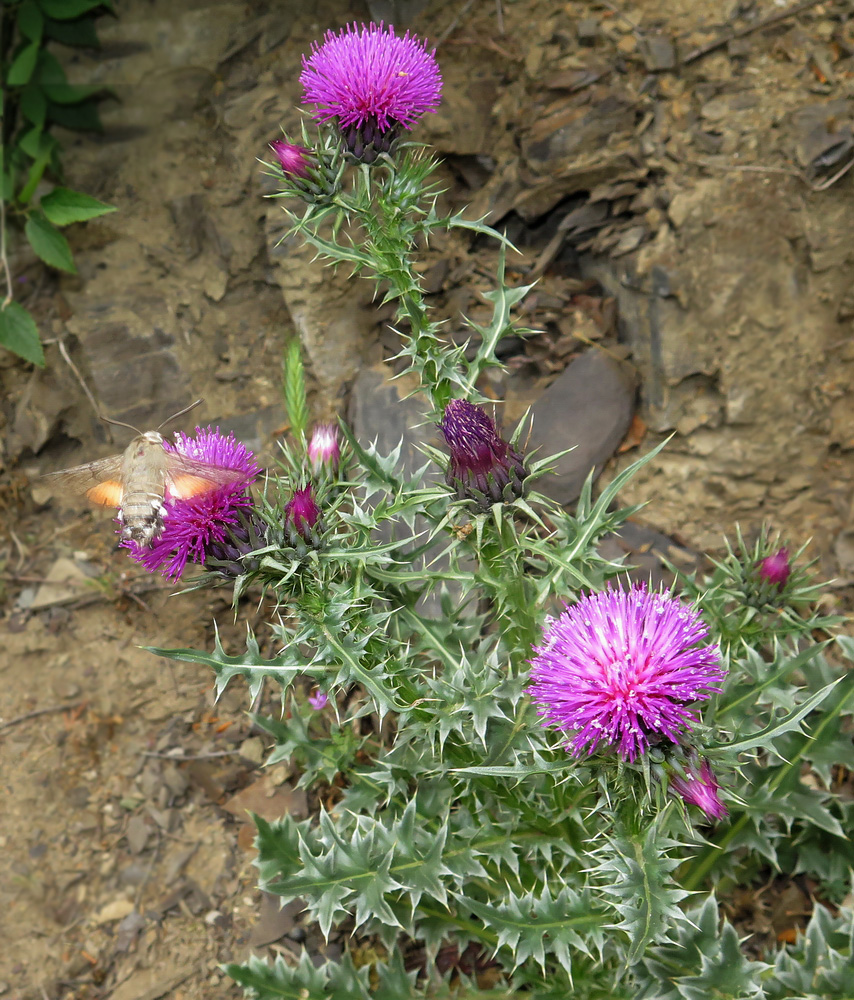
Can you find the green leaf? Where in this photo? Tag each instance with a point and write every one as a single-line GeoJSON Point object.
{"type": "Point", "coordinates": [19, 334]}
{"type": "Point", "coordinates": [63, 206]}
{"type": "Point", "coordinates": [23, 65]}
{"type": "Point", "coordinates": [43, 147]}
{"type": "Point", "coordinates": [49, 243]}
{"type": "Point", "coordinates": [296, 406]}
{"type": "Point", "coordinates": [51, 77]}
{"type": "Point", "coordinates": [637, 877]}
{"type": "Point", "coordinates": [34, 105]}
{"type": "Point", "coordinates": [302, 981]}
{"type": "Point", "coordinates": [80, 33]}
{"type": "Point", "coordinates": [67, 10]}
{"type": "Point", "coordinates": [30, 21]}
{"type": "Point", "coordinates": [80, 117]}
{"type": "Point", "coordinates": [765, 737]}
{"type": "Point", "coordinates": [32, 143]}
{"type": "Point", "coordinates": [49, 72]}
{"type": "Point", "coordinates": [538, 926]}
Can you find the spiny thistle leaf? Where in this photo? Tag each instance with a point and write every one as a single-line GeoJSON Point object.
{"type": "Point", "coordinates": [634, 874]}
{"type": "Point", "coordinates": [304, 981]}
{"type": "Point", "coordinates": [543, 926]}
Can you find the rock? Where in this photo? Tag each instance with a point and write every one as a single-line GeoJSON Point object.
{"type": "Point", "coordinates": [400, 12]}
{"type": "Point", "coordinates": [844, 550]}
{"type": "Point", "coordinates": [659, 53]}
{"type": "Point", "coordinates": [645, 550]}
{"type": "Point", "coordinates": [130, 355]}
{"type": "Point", "coordinates": [267, 800]}
{"type": "Point", "coordinates": [252, 749]}
{"type": "Point", "coordinates": [589, 405]}
{"type": "Point", "coordinates": [137, 834]}
{"type": "Point", "coordinates": [588, 30]}
{"type": "Point", "coordinates": [117, 910]}
{"type": "Point", "coordinates": [274, 919]}
{"type": "Point", "coordinates": [154, 983]}
{"type": "Point", "coordinates": [256, 429]}
{"type": "Point", "coordinates": [330, 310]}
{"type": "Point", "coordinates": [384, 412]}
{"type": "Point", "coordinates": [64, 582]}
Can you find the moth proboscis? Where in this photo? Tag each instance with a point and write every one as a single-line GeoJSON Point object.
{"type": "Point", "coordinates": [137, 480]}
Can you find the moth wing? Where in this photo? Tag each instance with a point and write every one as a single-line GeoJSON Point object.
{"type": "Point", "coordinates": [107, 494]}
{"type": "Point", "coordinates": [190, 477]}
{"type": "Point", "coordinates": [100, 480]}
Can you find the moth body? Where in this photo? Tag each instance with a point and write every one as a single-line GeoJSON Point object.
{"type": "Point", "coordinates": [144, 476]}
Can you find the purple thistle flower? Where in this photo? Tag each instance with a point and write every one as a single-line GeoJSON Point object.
{"type": "Point", "coordinates": [302, 515]}
{"type": "Point", "coordinates": [323, 448]}
{"type": "Point", "coordinates": [294, 160]}
{"type": "Point", "coordinates": [372, 82]}
{"type": "Point", "coordinates": [700, 789]}
{"type": "Point", "coordinates": [200, 526]}
{"type": "Point", "coordinates": [318, 700]}
{"type": "Point", "coordinates": [482, 467]}
{"type": "Point", "coordinates": [776, 568]}
{"type": "Point", "coordinates": [621, 668]}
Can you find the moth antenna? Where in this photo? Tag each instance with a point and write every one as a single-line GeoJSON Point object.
{"type": "Point", "coordinates": [181, 413]}
{"type": "Point", "coordinates": [120, 423]}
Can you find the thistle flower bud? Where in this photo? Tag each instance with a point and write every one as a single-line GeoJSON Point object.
{"type": "Point", "coordinates": [294, 160]}
{"type": "Point", "coordinates": [302, 516]}
{"type": "Point", "coordinates": [324, 452]}
{"type": "Point", "coordinates": [776, 568]}
{"type": "Point", "coordinates": [700, 788]}
{"type": "Point", "coordinates": [483, 467]}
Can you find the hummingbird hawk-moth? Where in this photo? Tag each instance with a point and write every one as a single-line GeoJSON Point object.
{"type": "Point", "coordinates": [138, 481]}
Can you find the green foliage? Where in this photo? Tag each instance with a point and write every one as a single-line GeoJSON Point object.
{"type": "Point", "coordinates": [35, 94]}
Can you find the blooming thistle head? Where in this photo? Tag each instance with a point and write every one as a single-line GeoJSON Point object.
{"type": "Point", "coordinates": [482, 466]}
{"type": "Point", "coordinates": [621, 668]}
{"type": "Point", "coordinates": [324, 451]}
{"type": "Point", "coordinates": [197, 527]}
{"type": "Point", "coordinates": [318, 700]}
{"type": "Point", "coordinates": [372, 82]}
{"type": "Point", "coordinates": [302, 516]}
{"type": "Point", "coordinates": [776, 568]}
{"type": "Point", "coordinates": [294, 160]}
{"type": "Point", "coordinates": [700, 788]}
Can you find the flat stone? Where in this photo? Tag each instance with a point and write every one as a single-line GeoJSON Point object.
{"type": "Point", "coordinates": [590, 406]}
{"type": "Point", "coordinates": [118, 909]}
{"type": "Point", "coordinates": [385, 413]}
{"type": "Point", "coordinates": [64, 582]}
{"type": "Point", "coordinates": [330, 310]}
{"type": "Point", "coordinates": [659, 53]}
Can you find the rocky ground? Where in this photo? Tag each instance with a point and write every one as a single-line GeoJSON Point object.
{"type": "Point", "coordinates": [673, 172]}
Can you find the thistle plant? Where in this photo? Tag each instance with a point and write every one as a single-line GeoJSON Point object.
{"type": "Point", "coordinates": [555, 774]}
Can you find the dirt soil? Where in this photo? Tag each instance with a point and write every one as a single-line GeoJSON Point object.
{"type": "Point", "coordinates": [127, 855]}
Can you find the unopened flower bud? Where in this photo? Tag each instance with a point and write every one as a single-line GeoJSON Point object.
{"type": "Point", "coordinates": [294, 160]}
{"type": "Point", "coordinates": [482, 467]}
{"type": "Point", "coordinates": [776, 568]}
{"type": "Point", "coordinates": [302, 514]}
{"type": "Point", "coordinates": [324, 452]}
{"type": "Point", "coordinates": [700, 788]}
